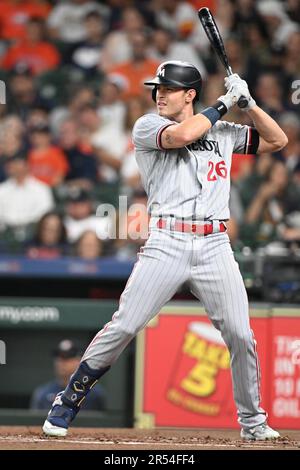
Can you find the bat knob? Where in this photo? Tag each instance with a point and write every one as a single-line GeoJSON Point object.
{"type": "Point", "coordinates": [243, 102]}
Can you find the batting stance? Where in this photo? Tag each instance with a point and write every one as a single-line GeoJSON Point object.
{"type": "Point", "coordinates": [184, 160]}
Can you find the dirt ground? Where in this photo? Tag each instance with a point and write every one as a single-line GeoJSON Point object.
{"type": "Point", "coordinates": [32, 438]}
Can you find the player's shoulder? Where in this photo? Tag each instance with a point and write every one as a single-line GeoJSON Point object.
{"type": "Point", "coordinates": [149, 119]}
{"type": "Point", "coordinates": [226, 128]}
{"type": "Point", "coordinates": [147, 125]}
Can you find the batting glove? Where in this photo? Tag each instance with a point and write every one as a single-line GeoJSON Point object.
{"type": "Point", "coordinates": [234, 83]}
{"type": "Point", "coordinates": [231, 98]}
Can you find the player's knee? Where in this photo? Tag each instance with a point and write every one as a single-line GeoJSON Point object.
{"type": "Point", "coordinates": [129, 330]}
{"type": "Point", "coordinates": [233, 337]}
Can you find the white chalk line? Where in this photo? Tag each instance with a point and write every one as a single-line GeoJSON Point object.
{"type": "Point", "coordinates": [132, 443]}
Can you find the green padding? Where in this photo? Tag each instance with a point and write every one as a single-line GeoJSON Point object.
{"type": "Point", "coordinates": [55, 314]}
{"type": "Point", "coordinates": [286, 312]}
{"type": "Point", "coordinates": [16, 417]}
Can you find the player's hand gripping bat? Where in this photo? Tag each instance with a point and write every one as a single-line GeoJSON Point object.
{"type": "Point", "coordinates": [213, 34]}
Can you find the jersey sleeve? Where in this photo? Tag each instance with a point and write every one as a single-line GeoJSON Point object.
{"type": "Point", "coordinates": [245, 138]}
{"type": "Point", "coordinates": [147, 131]}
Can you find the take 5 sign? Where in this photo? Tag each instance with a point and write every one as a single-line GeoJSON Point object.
{"type": "Point", "coordinates": [285, 370]}
{"type": "Point", "coordinates": [183, 375]}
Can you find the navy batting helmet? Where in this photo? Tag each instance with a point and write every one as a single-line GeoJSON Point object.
{"type": "Point", "coordinates": [177, 74]}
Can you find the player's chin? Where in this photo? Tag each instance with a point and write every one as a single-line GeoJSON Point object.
{"type": "Point", "coordinates": [162, 111]}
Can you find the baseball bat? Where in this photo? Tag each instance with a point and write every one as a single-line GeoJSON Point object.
{"type": "Point", "coordinates": [214, 36]}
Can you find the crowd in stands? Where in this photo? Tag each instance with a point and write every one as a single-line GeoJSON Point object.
{"type": "Point", "coordinates": [74, 73]}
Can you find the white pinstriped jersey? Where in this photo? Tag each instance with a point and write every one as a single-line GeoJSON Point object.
{"type": "Point", "coordinates": [191, 182]}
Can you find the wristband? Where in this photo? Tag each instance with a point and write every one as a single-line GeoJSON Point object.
{"type": "Point", "coordinates": [215, 112]}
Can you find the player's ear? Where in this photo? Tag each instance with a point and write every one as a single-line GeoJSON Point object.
{"type": "Point", "coordinates": [190, 95]}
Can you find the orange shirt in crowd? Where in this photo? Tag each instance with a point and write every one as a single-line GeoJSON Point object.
{"type": "Point", "coordinates": [197, 4]}
{"type": "Point", "coordinates": [134, 75]}
{"type": "Point", "coordinates": [15, 14]}
{"type": "Point", "coordinates": [241, 166]}
{"type": "Point", "coordinates": [49, 165]}
{"type": "Point", "coordinates": [40, 57]}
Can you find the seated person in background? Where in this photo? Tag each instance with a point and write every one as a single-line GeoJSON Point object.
{"type": "Point", "coordinates": [66, 357]}
{"type": "Point", "coordinates": [81, 216]}
{"type": "Point", "coordinates": [47, 162]}
{"type": "Point", "coordinates": [86, 55]}
{"type": "Point", "coordinates": [274, 199]}
{"type": "Point", "coordinates": [50, 240]}
{"type": "Point", "coordinates": [83, 165]}
{"type": "Point", "coordinates": [89, 246]}
{"type": "Point", "coordinates": [23, 199]}
{"type": "Point", "coordinates": [34, 51]}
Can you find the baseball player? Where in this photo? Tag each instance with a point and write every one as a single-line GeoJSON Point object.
{"type": "Point", "coordinates": [184, 160]}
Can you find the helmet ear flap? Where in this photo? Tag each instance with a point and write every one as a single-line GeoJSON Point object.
{"type": "Point", "coordinates": [154, 94]}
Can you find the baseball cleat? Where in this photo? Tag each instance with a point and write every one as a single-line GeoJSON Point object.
{"type": "Point", "coordinates": [59, 418]}
{"type": "Point", "coordinates": [54, 431]}
{"type": "Point", "coordinates": [262, 432]}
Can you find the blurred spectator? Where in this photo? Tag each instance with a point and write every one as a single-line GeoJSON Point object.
{"type": "Point", "coordinates": [245, 17]}
{"type": "Point", "coordinates": [79, 97]}
{"type": "Point", "coordinates": [117, 46]}
{"type": "Point", "coordinates": [14, 15]}
{"type": "Point", "coordinates": [10, 145]}
{"type": "Point", "coordinates": [47, 162]}
{"type": "Point", "coordinates": [269, 94]}
{"type": "Point", "coordinates": [236, 56]}
{"type": "Point", "coordinates": [80, 217]}
{"type": "Point", "coordinates": [259, 55]}
{"type": "Point", "coordinates": [138, 69]}
{"type": "Point", "coordinates": [11, 140]}
{"type": "Point", "coordinates": [22, 92]}
{"type": "Point", "coordinates": [275, 198]}
{"type": "Point", "coordinates": [12, 124]}
{"type": "Point", "coordinates": [212, 88]}
{"type": "Point", "coordinates": [112, 107]}
{"type": "Point", "coordinates": [34, 51]}
{"type": "Point", "coordinates": [50, 238]}
{"type": "Point", "coordinates": [291, 57]}
{"type": "Point", "coordinates": [292, 8]}
{"type": "Point", "coordinates": [37, 116]}
{"type": "Point", "coordinates": [66, 358]}
{"type": "Point", "coordinates": [107, 142]}
{"type": "Point", "coordinates": [89, 246]}
{"type": "Point", "coordinates": [23, 199]}
{"type": "Point", "coordinates": [277, 21]}
{"type": "Point", "coordinates": [176, 16]}
{"type": "Point", "coordinates": [87, 55]}
{"type": "Point", "coordinates": [129, 171]}
{"type": "Point", "coordinates": [164, 48]}
{"type": "Point", "coordinates": [66, 19]}
{"type": "Point", "coordinates": [249, 185]}
{"type": "Point", "coordinates": [225, 19]}
{"type": "Point", "coordinates": [82, 163]}
{"type": "Point", "coordinates": [133, 228]}
{"type": "Point", "coordinates": [236, 215]}
{"type": "Point", "coordinates": [290, 154]}
{"type": "Point", "coordinates": [290, 229]}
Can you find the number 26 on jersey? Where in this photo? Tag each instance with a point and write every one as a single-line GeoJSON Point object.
{"type": "Point", "coordinates": [215, 170]}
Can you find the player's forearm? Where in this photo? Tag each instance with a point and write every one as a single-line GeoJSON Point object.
{"type": "Point", "coordinates": [268, 129]}
{"type": "Point", "coordinates": [186, 132]}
